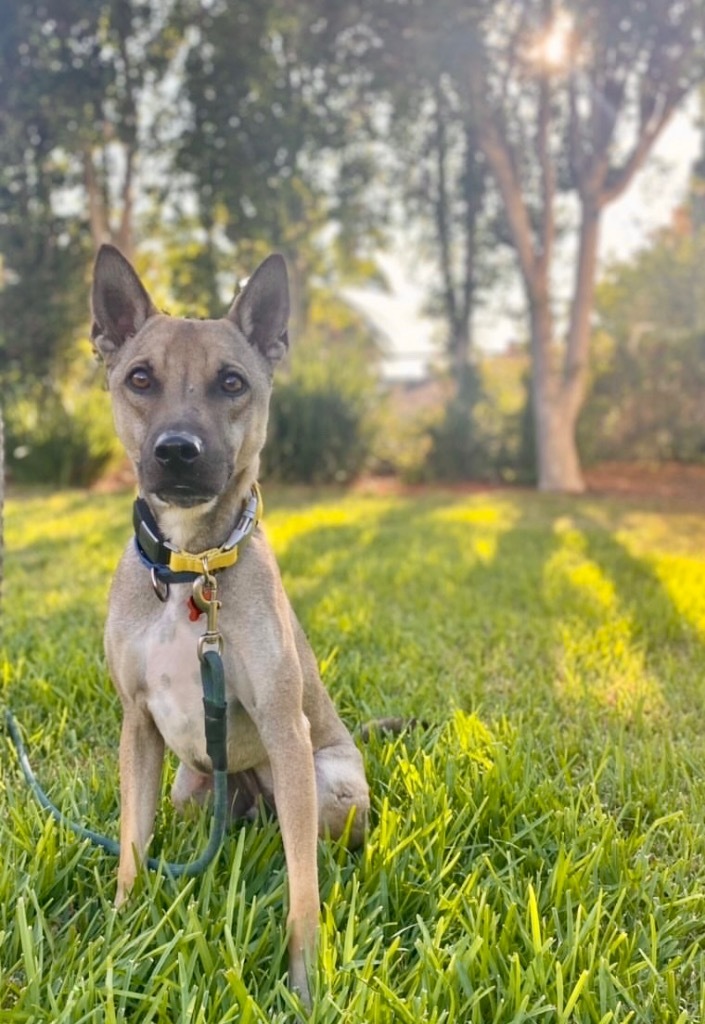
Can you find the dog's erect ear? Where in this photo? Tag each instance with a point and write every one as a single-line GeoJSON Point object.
{"type": "Point", "coordinates": [261, 310]}
{"type": "Point", "coordinates": [120, 302]}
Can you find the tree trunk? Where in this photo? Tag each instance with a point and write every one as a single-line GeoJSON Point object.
{"type": "Point", "coordinates": [557, 453]}
{"type": "Point", "coordinates": [555, 416]}
{"type": "Point", "coordinates": [99, 214]}
{"type": "Point", "coordinates": [298, 297]}
{"type": "Point", "coordinates": [460, 350]}
{"type": "Point", "coordinates": [124, 237]}
{"type": "Point", "coordinates": [559, 393]}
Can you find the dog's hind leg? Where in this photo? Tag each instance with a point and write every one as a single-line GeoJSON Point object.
{"type": "Point", "coordinates": [341, 789]}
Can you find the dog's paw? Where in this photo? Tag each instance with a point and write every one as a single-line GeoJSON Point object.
{"type": "Point", "coordinates": [121, 896]}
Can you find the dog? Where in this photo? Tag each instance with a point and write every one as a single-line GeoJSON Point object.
{"type": "Point", "coordinates": [190, 401]}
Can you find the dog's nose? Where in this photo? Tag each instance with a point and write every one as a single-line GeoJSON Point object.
{"type": "Point", "coordinates": [177, 448]}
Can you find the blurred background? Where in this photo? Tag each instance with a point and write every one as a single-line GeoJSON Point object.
{"type": "Point", "coordinates": [493, 214]}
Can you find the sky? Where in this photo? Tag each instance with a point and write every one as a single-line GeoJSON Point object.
{"type": "Point", "coordinates": [646, 206]}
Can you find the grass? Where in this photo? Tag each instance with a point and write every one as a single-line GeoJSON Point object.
{"type": "Point", "coordinates": [536, 854]}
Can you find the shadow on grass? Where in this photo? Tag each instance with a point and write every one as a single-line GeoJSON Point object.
{"type": "Point", "coordinates": [673, 647]}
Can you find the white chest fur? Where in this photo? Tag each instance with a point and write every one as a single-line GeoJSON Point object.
{"type": "Point", "coordinates": [173, 680]}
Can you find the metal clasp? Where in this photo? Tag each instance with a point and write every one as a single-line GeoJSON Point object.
{"type": "Point", "coordinates": [205, 597]}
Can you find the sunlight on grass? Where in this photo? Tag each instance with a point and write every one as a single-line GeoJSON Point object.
{"type": "Point", "coordinates": [598, 662]}
{"type": "Point", "coordinates": [486, 522]}
{"type": "Point", "coordinates": [69, 545]}
{"type": "Point", "coordinates": [63, 517]}
{"type": "Point", "coordinates": [682, 579]}
{"type": "Point", "coordinates": [284, 528]}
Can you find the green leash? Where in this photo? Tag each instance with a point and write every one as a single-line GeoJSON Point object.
{"type": "Point", "coordinates": [215, 707]}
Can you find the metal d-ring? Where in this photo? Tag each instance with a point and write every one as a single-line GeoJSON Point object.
{"type": "Point", "coordinates": [161, 587]}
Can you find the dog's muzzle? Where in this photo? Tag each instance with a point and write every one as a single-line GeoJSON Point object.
{"type": "Point", "coordinates": [181, 471]}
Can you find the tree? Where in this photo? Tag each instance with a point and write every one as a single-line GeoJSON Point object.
{"type": "Point", "coordinates": [563, 100]}
{"type": "Point", "coordinates": [2, 509]}
{"type": "Point", "coordinates": [431, 165]}
{"type": "Point", "coordinates": [443, 181]}
{"type": "Point", "coordinates": [72, 77]}
{"type": "Point", "coordinates": [264, 150]}
{"type": "Point", "coordinates": [571, 99]}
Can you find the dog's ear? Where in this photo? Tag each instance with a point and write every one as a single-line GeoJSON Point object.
{"type": "Point", "coordinates": [119, 300]}
{"type": "Point", "coordinates": [261, 310]}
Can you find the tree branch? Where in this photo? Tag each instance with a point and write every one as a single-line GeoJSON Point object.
{"type": "Point", "coordinates": [498, 155]}
{"type": "Point", "coordinates": [97, 217]}
{"type": "Point", "coordinates": [578, 343]}
{"type": "Point", "coordinates": [124, 233]}
{"type": "Point", "coordinates": [618, 178]}
{"type": "Point", "coordinates": [473, 193]}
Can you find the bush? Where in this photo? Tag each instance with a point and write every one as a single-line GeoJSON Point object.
{"type": "Point", "coordinates": [646, 399]}
{"type": "Point", "coordinates": [316, 435]}
{"type": "Point", "coordinates": [61, 436]}
{"type": "Point", "coordinates": [479, 438]}
{"type": "Point", "coordinates": [459, 451]}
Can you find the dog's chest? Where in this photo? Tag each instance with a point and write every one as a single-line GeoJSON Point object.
{"type": "Point", "coordinates": [173, 680]}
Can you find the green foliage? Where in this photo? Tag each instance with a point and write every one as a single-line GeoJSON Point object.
{"type": "Point", "coordinates": [480, 431]}
{"type": "Point", "coordinates": [660, 287]}
{"type": "Point", "coordinates": [646, 401]}
{"type": "Point", "coordinates": [72, 77]}
{"type": "Point", "coordinates": [60, 433]}
{"type": "Point", "coordinates": [459, 450]}
{"type": "Point", "coordinates": [266, 145]}
{"type": "Point", "coordinates": [316, 435]}
{"type": "Point", "coordinates": [648, 380]}
{"type": "Point", "coordinates": [526, 464]}
{"type": "Point", "coordinates": [322, 417]}
{"type": "Point", "coordinates": [534, 855]}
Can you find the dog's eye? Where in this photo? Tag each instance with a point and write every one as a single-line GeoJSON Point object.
{"type": "Point", "coordinates": [139, 379]}
{"type": "Point", "coordinates": [232, 383]}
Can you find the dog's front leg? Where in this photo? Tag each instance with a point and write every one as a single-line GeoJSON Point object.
{"type": "Point", "coordinates": [294, 780]}
{"type": "Point", "coordinates": [141, 759]}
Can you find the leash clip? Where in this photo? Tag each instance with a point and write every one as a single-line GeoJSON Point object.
{"type": "Point", "coordinates": [205, 597]}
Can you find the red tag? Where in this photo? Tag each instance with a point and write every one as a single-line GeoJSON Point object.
{"type": "Point", "coordinates": [194, 612]}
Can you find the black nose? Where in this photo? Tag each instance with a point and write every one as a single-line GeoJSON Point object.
{"type": "Point", "coordinates": [177, 449]}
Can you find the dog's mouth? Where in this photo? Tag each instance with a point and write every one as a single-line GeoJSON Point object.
{"type": "Point", "coordinates": [184, 495]}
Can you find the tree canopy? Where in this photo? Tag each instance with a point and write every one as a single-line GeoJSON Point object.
{"type": "Point", "coordinates": [218, 132]}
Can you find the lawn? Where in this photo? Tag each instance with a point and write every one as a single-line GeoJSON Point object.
{"type": "Point", "coordinates": [535, 853]}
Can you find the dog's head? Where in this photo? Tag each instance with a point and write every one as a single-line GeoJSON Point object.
{"type": "Point", "coordinates": [190, 397]}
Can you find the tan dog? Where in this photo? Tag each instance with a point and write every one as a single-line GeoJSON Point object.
{"type": "Point", "coordinates": [190, 400]}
